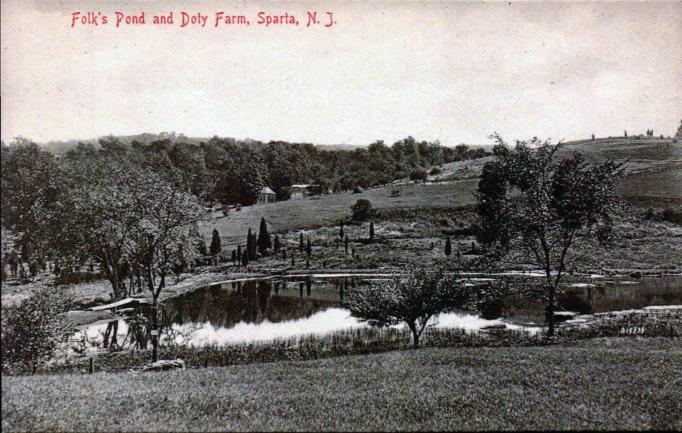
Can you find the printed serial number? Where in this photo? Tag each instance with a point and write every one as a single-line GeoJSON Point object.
{"type": "Point", "coordinates": [632, 330]}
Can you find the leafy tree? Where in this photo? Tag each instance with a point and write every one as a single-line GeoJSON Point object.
{"type": "Point", "coordinates": [30, 184]}
{"type": "Point", "coordinates": [361, 210]}
{"type": "Point", "coordinates": [413, 298]}
{"type": "Point", "coordinates": [167, 217]}
{"type": "Point", "coordinates": [530, 200]}
{"type": "Point", "coordinates": [264, 240]}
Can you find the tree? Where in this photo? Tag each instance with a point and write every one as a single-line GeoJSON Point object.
{"type": "Point", "coordinates": [300, 242]}
{"type": "Point", "coordinates": [361, 210]}
{"type": "Point", "coordinates": [276, 244]}
{"type": "Point", "coordinates": [371, 230]}
{"type": "Point", "coordinates": [413, 298]}
{"type": "Point", "coordinates": [345, 244]}
{"type": "Point", "coordinates": [249, 246]}
{"type": "Point", "coordinates": [254, 247]}
{"type": "Point", "coordinates": [448, 247]}
{"type": "Point", "coordinates": [166, 219]}
{"type": "Point", "coordinates": [264, 240]}
{"type": "Point", "coordinates": [341, 231]}
{"type": "Point", "coordinates": [308, 248]}
{"type": "Point", "coordinates": [215, 247]}
{"type": "Point", "coordinates": [531, 201]}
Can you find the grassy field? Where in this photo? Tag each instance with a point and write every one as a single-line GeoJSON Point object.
{"type": "Point", "coordinates": [330, 209]}
{"type": "Point", "coordinates": [616, 383]}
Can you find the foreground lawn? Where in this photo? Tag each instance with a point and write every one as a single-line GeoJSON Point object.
{"type": "Point", "coordinates": [599, 384]}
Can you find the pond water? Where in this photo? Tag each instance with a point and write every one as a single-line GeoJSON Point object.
{"type": "Point", "coordinates": [261, 310]}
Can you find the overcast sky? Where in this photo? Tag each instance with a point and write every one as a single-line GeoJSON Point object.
{"type": "Point", "coordinates": [455, 72]}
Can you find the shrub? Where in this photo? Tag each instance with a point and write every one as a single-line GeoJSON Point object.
{"type": "Point", "coordinates": [33, 329]}
{"type": "Point", "coordinates": [418, 175]}
{"type": "Point", "coordinates": [361, 210]}
{"type": "Point", "coordinates": [672, 216]}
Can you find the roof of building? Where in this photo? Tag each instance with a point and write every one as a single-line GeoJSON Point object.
{"type": "Point", "coordinates": [266, 190]}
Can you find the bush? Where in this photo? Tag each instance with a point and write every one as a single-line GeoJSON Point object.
{"type": "Point", "coordinates": [418, 175]}
{"type": "Point", "coordinates": [672, 216]}
{"type": "Point", "coordinates": [33, 329]}
{"type": "Point", "coordinates": [361, 210]}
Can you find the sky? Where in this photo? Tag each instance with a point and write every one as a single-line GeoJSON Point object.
{"type": "Point", "coordinates": [454, 72]}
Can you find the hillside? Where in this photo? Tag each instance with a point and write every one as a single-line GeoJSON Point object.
{"type": "Point", "coordinates": [602, 384]}
{"type": "Point", "coordinates": [653, 170]}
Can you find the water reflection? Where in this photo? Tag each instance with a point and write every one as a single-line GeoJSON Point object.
{"type": "Point", "coordinates": [250, 311]}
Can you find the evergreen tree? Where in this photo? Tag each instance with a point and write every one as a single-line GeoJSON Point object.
{"type": "Point", "coordinates": [300, 242]}
{"type": "Point", "coordinates": [276, 244]}
{"type": "Point", "coordinates": [201, 247]}
{"type": "Point", "coordinates": [264, 241]}
{"type": "Point", "coordinates": [371, 230]}
{"type": "Point", "coordinates": [249, 247]}
{"type": "Point", "coordinates": [341, 231]}
{"type": "Point", "coordinates": [448, 247]}
{"type": "Point", "coordinates": [239, 254]}
{"type": "Point", "coordinates": [254, 245]}
{"type": "Point", "coordinates": [245, 259]}
{"type": "Point", "coordinates": [234, 257]}
{"type": "Point", "coordinates": [345, 244]}
{"type": "Point", "coordinates": [215, 247]}
{"type": "Point", "coordinates": [308, 248]}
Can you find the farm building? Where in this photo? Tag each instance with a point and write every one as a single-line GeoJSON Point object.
{"type": "Point", "coordinates": [267, 195]}
{"type": "Point", "coordinates": [299, 191]}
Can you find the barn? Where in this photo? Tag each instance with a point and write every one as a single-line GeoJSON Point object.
{"type": "Point", "coordinates": [299, 191]}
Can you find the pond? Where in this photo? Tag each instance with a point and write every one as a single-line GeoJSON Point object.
{"type": "Point", "coordinates": [281, 308]}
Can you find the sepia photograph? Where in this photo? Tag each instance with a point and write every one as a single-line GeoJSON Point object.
{"type": "Point", "coordinates": [227, 216]}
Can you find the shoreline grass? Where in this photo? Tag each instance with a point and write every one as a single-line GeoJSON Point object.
{"type": "Point", "coordinates": [367, 340]}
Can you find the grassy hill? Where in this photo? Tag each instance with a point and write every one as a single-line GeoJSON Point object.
{"type": "Point", "coordinates": [654, 178]}
{"type": "Point", "coordinates": [330, 209]}
{"type": "Point", "coordinates": [654, 167]}
{"type": "Point", "coordinates": [602, 384]}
